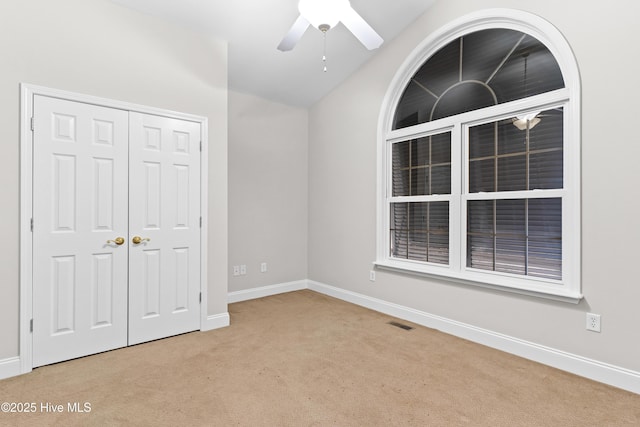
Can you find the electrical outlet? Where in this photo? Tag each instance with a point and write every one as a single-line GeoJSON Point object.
{"type": "Point", "coordinates": [372, 275]}
{"type": "Point", "coordinates": [236, 270]}
{"type": "Point", "coordinates": [263, 267]}
{"type": "Point", "coordinates": [243, 269]}
{"type": "Point", "coordinates": [593, 322]}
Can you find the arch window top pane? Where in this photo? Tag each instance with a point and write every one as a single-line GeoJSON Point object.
{"type": "Point", "coordinates": [478, 70]}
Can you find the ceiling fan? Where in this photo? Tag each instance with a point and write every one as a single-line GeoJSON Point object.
{"type": "Point", "coordinates": [326, 14]}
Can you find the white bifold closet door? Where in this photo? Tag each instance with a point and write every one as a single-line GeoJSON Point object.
{"type": "Point", "coordinates": [116, 236]}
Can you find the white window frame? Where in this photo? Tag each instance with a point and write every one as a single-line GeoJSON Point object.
{"type": "Point", "coordinates": [569, 288]}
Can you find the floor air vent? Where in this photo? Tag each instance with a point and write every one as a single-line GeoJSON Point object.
{"type": "Point", "coordinates": [401, 326]}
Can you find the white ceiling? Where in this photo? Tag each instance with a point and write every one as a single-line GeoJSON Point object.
{"type": "Point", "coordinates": [254, 28]}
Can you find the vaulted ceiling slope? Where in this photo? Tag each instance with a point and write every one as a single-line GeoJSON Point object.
{"type": "Point", "coordinates": [254, 28]}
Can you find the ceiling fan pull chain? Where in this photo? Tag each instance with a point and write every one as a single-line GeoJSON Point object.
{"type": "Point", "coordinates": [324, 55]}
{"type": "Point", "coordinates": [324, 28]}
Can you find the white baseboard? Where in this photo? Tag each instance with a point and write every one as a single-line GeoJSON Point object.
{"type": "Point", "coordinates": [266, 291]}
{"type": "Point", "coordinates": [10, 367]}
{"type": "Point", "coordinates": [215, 321]}
{"type": "Point", "coordinates": [598, 371]}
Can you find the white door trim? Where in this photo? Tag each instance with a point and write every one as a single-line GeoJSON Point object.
{"type": "Point", "coordinates": [27, 92]}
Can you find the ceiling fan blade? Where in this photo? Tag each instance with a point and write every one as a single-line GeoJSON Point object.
{"type": "Point", "coordinates": [294, 35]}
{"type": "Point", "coordinates": [359, 27]}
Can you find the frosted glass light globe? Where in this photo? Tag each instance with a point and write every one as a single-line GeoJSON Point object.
{"type": "Point", "coordinates": [319, 12]}
{"type": "Point", "coordinates": [530, 119]}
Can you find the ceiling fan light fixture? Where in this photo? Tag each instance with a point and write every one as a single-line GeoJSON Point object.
{"type": "Point", "coordinates": [324, 15]}
{"type": "Point", "coordinates": [531, 118]}
{"type": "Point", "coordinates": [323, 12]}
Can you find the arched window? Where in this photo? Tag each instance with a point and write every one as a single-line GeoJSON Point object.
{"type": "Point", "coordinates": [480, 151]}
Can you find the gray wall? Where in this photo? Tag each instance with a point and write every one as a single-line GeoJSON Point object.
{"type": "Point", "coordinates": [98, 48]}
{"type": "Point", "coordinates": [342, 189]}
{"type": "Point", "coordinates": [268, 147]}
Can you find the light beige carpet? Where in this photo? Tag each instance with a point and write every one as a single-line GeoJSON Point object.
{"type": "Point", "coordinates": [304, 359]}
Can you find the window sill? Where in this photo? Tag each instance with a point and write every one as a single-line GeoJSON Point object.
{"type": "Point", "coordinates": [552, 292]}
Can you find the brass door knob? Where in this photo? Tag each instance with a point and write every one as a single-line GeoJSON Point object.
{"type": "Point", "coordinates": [137, 240]}
{"type": "Point", "coordinates": [118, 241]}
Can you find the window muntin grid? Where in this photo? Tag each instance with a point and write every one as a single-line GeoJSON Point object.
{"type": "Point", "coordinates": [420, 231]}
{"type": "Point", "coordinates": [512, 170]}
{"type": "Point", "coordinates": [503, 157]}
{"type": "Point", "coordinates": [477, 70]}
{"type": "Point", "coordinates": [422, 166]}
